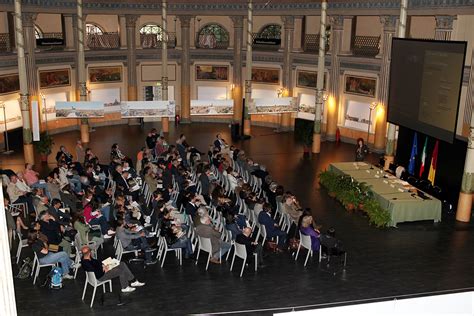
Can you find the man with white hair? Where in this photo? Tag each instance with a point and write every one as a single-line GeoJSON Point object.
{"type": "Point", "coordinates": [219, 247]}
{"type": "Point", "coordinates": [245, 238]}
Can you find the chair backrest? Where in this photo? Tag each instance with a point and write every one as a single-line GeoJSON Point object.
{"type": "Point", "coordinates": [305, 241]}
{"type": "Point", "coordinates": [205, 244]}
{"type": "Point", "coordinates": [90, 278]}
{"type": "Point", "coordinates": [240, 251]}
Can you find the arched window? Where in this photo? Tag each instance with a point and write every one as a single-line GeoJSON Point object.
{"type": "Point", "coordinates": [38, 32]}
{"type": "Point", "coordinates": [270, 31]}
{"type": "Point", "coordinates": [152, 29]}
{"type": "Point", "coordinates": [213, 35]}
{"type": "Point", "coordinates": [93, 29]}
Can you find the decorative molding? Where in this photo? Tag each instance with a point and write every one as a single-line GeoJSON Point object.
{"type": "Point", "coordinates": [238, 21]}
{"type": "Point", "coordinates": [185, 20]}
{"type": "Point", "coordinates": [389, 23]}
{"type": "Point", "coordinates": [288, 21]}
{"type": "Point", "coordinates": [337, 22]}
{"type": "Point", "coordinates": [131, 20]}
{"type": "Point", "coordinates": [445, 22]}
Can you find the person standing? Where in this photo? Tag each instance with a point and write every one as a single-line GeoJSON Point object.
{"type": "Point", "coordinates": [361, 150]}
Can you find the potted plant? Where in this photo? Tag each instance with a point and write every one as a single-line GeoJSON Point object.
{"type": "Point", "coordinates": [378, 216]}
{"type": "Point", "coordinates": [328, 179]}
{"type": "Point", "coordinates": [44, 145]}
{"type": "Point", "coordinates": [304, 135]}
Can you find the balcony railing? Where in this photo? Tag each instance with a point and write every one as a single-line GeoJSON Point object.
{"type": "Point", "coordinates": [103, 41]}
{"type": "Point", "coordinates": [366, 46]}
{"type": "Point", "coordinates": [153, 41]}
{"type": "Point", "coordinates": [311, 43]}
{"type": "Point", "coordinates": [5, 46]}
{"type": "Point", "coordinates": [210, 41]}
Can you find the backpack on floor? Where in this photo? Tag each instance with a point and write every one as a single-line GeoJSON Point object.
{"type": "Point", "coordinates": [55, 277]}
{"type": "Point", "coordinates": [25, 269]}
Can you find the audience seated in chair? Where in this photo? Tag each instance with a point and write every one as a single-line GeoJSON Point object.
{"type": "Point", "coordinates": [272, 228]}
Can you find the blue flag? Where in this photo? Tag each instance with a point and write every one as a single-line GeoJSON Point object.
{"type": "Point", "coordinates": [414, 152]}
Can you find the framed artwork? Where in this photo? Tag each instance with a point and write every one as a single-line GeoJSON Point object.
{"type": "Point", "coordinates": [80, 109]}
{"type": "Point", "coordinates": [9, 83]}
{"type": "Point", "coordinates": [308, 79]}
{"type": "Point", "coordinates": [54, 78]}
{"type": "Point", "coordinates": [209, 72]}
{"type": "Point", "coordinates": [105, 74]}
{"type": "Point", "coordinates": [360, 86]}
{"type": "Point", "coordinates": [266, 75]}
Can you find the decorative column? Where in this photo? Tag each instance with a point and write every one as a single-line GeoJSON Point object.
{"type": "Point", "coordinates": [388, 23]}
{"type": "Point", "coordinates": [297, 38]}
{"type": "Point", "coordinates": [463, 212]}
{"type": "Point", "coordinates": [444, 27]}
{"type": "Point", "coordinates": [7, 299]}
{"type": "Point", "coordinates": [123, 31]}
{"type": "Point", "coordinates": [248, 70]}
{"type": "Point", "coordinates": [131, 23]}
{"type": "Point", "coordinates": [165, 121]}
{"type": "Point", "coordinates": [24, 100]}
{"type": "Point", "coordinates": [69, 31]}
{"type": "Point", "coordinates": [337, 29]}
{"type": "Point", "coordinates": [185, 71]}
{"type": "Point", "coordinates": [289, 26]}
{"type": "Point", "coordinates": [320, 80]}
{"type": "Point", "coordinates": [237, 96]}
{"type": "Point", "coordinates": [81, 68]}
{"type": "Point", "coordinates": [392, 129]}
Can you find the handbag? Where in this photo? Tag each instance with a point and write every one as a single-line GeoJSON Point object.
{"type": "Point", "coordinates": [53, 248]}
{"type": "Point", "coordinates": [271, 245]}
{"type": "Point", "coordinates": [294, 244]}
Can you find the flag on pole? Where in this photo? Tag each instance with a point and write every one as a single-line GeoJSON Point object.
{"type": "Point", "coordinates": [423, 157]}
{"type": "Point", "coordinates": [434, 161]}
{"type": "Point", "coordinates": [414, 151]}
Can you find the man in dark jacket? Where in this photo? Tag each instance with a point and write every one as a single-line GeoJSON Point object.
{"type": "Point", "coordinates": [252, 247]}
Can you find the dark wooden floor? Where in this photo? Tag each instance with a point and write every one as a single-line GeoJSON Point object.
{"type": "Point", "coordinates": [414, 258]}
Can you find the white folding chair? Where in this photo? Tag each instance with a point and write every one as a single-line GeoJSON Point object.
{"type": "Point", "coordinates": [121, 251]}
{"type": "Point", "coordinates": [37, 267]}
{"type": "Point", "coordinates": [305, 242]}
{"type": "Point", "coordinates": [22, 243]}
{"type": "Point", "coordinates": [206, 246]}
{"type": "Point", "coordinates": [91, 279]}
{"type": "Point", "coordinates": [241, 252]}
{"type": "Point", "coordinates": [163, 250]}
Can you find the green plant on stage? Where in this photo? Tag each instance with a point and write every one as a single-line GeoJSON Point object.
{"type": "Point", "coordinates": [378, 216]}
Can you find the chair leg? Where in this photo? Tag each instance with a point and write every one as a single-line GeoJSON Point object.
{"type": "Point", "coordinates": [84, 292]}
{"type": "Point", "coordinates": [307, 257]}
{"type": "Point", "coordinates": [208, 258]}
{"type": "Point", "coordinates": [18, 252]}
{"type": "Point", "coordinates": [93, 296]}
{"type": "Point", "coordinates": [243, 267]}
{"type": "Point", "coordinates": [36, 273]}
{"type": "Point", "coordinates": [164, 258]}
{"type": "Point", "coordinates": [298, 252]}
{"type": "Point", "coordinates": [255, 260]}
{"type": "Point", "coordinates": [103, 287]}
{"type": "Point", "coordinates": [110, 283]}
{"type": "Point", "coordinates": [320, 253]}
{"type": "Point", "coordinates": [232, 264]}
{"type": "Point", "coordinates": [228, 252]}
{"type": "Point", "coordinates": [197, 257]}
{"type": "Point", "coordinates": [180, 253]}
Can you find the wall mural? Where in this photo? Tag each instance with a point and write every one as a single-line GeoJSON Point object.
{"type": "Point", "coordinates": [266, 75]}
{"type": "Point", "coordinates": [360, 86]}
{"type": "Point", "coordinates": [54, 78]}
{"type": "Point", "coordinates": [308, 79]}
{"type": "Point", "coordinates": [105, 74]}
{"type": "Point", "coordinates": [208, 72]}
{"type": "Point", "coordinates": [9, 83]}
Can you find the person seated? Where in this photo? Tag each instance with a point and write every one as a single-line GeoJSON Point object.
{"type": "Point", "coordinates": [116, 156]}
{"type": "Point", "coordinates": [52, 186]}
{"type": "Point", "coordinates": [14, 220]}
{"type": "Point", "coordinates": [245, 238]}
{"type": "Point", "coordinates": [93, 216]}
{"type": "Point", "coordinates": [128, 282]}
{"type": "Point", "coordinates": [193, 204]}
{"type": "Point", "coordinates": [314, 233]}
{"type": "Point", "coordinates": [150, 179]}
{"type": "Point", "coordinates": [40, 247]}
{"type": "Point", "coordinates": [61, 217]}
{"type": "Point", "coordinates": [175, 234]}
{"type": "Point", "coordinates": [272, 228]}
{"type": "Point", "coordinates": [68, 177]}
{"type": "Point", "coordinates": [291, 207]}
{"type": "Point", "coordinates": [32, 177]}
{"type": "Point", "coordinates": [86, 233]}
{"type": "Point", "coordinates": [63, 156]}
{"type": "Point", "coordinates": [132, 239]}
{"type": "Point", "coordinates": [19, 196]}
{"type": "Point", "coordinates": [219, 247]}
{"type": "Point", "coordinates": [54, 232]}
{"type": "Point", "coordinates": [219, 143]}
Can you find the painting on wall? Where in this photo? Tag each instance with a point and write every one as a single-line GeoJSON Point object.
{"type": "Point", "coordinates": [360, 85]}
{"type": "Point", "coordinates": [105, 74]}
{"type": "Point", "coordinates": [308, 79]}
{"type": "Point", "coordinates": [80, 109]}
{"type": "Point", "coordinates": [266, 75]}
{"type": "Point", "coordinates": [9, 83]}
{"type": "Point", "coordinates": [54, 78]}
{"type": "Point", "coordinates": [208, 72]}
